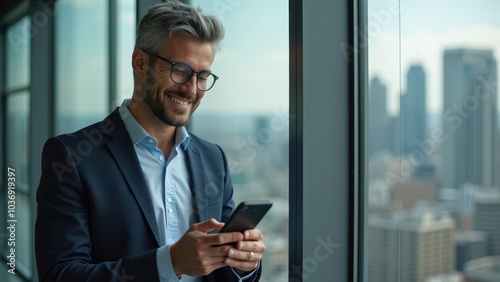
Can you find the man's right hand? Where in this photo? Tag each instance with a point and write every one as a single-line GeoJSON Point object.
{"type": "Point", "coordinates": [198, 253]}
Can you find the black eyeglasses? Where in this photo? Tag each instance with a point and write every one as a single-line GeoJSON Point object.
{"type": "Point", "coordinates": [181, 73]}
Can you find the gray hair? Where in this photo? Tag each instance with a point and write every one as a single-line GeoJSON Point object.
{"type": "Point", "coordinates": [166, 19]}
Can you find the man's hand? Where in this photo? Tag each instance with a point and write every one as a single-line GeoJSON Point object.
{"type": "Point", "coordinates": [198, 253]}
{"type": "Point", "coordinates": [245, 258]}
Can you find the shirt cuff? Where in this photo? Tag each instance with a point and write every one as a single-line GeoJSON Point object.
{"type": "Point", "coordinates": [244, 278]}
{"type": "Point", "coordinates": [164, 264]}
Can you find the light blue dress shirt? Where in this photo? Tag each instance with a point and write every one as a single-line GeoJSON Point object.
{"type": "Point", "coordinates": [169, 186]}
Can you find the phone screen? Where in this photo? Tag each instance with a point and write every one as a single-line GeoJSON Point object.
{"type": "Point", "coordinates": [246, 216]}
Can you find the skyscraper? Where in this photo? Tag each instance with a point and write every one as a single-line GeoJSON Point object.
{"type": "Point", "coordinates": [413, 111]}
{"type": "Point", "coordinates": [487, 219]}
{"type": "Point", "coordinates": [471, 244]}
{"type": "Point", "coordinates": [379, 138]}
{"type": "Point", "coordinates": [470, 118]}
{"type": "Point", "coordinates": [410, 245]}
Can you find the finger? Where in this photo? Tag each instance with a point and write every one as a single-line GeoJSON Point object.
{"type": "Point", "coordinates": [253, 235]}
{"type": "Point", "coordinates": [220, 251]}
{"type": "Point", "coordinates": [207, 226]}
{"type": "Point", "coordinates": [242, 265]}
{"type": "Point", "coordinates": [251, 246]}
{"type": "Point", "coordinates": [244, 255]}
{"type": "Point", "coordinates": [224, 238]}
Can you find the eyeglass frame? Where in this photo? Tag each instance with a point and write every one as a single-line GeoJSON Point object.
{"type": "Point", "coordinates": [173, 63]}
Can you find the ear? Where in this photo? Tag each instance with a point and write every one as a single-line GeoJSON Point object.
{"type": "Point", "coordinates": [140, 61]}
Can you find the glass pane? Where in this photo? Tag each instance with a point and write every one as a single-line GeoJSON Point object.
{"type": "Point", "coordinates": [433, 141]}
{"type": "Point", "coordinates": [17, 125]}
{"type": "Point", "coordinates": [18, 54]}
{"type": "Point", "coordinates": [250, 121]}
{"type": "Point", "coordinates": [23, 229]}
{"type": "Point", "coordinates": [126, 40]}
{"type": "Point", "coordinates": [81, 63]}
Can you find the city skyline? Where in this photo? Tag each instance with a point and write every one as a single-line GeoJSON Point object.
{"type": "Point", "coordinates": [398, 39]}
{"type": "Point", "coordinates": [464, 185]}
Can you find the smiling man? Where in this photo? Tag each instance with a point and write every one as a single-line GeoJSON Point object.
{"type": "Point", "coordinates": [136, 197]}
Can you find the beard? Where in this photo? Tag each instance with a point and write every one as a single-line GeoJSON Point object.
{"type": "Point", "coordinates": [155, 99]}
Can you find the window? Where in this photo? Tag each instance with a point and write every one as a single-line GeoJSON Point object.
{"type": "Point", "coordinates": [126, 16]}
{"type": "Point", "coordinates": [433, 124]}
{"type": "Point", "coordinates": [16, 102]}
{"type": "Point", "coordinates": [246, 113]}
{"type": "Point", "coordinates": [81, 64]}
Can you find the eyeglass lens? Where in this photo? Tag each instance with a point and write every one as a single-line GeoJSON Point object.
{"type": "Point", "coordinates": [181, 73]}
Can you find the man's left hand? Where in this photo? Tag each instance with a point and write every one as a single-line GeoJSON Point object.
{"type": "Point", "coordinates": [248, 252]}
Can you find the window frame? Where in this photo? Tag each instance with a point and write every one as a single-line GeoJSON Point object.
{"type": "Point", "coordinates": [15, 16]}
{"type": "Point", "coordinates": [337, 180]}
{"type": "Point", "coordinates": [342, 108]}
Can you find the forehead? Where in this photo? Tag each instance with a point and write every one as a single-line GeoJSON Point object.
{"type": "Point", "coordinates": [183, 48]}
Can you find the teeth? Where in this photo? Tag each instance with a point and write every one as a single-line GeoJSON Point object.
{"type": "Point", "coordinates": [179, 101]}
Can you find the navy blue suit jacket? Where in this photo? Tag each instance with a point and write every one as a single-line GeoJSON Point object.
{"type": "Point", "coordinates": [95, 217]}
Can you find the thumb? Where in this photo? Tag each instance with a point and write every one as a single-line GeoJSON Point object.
{"type": "Point", "coordinates": [208, 225]}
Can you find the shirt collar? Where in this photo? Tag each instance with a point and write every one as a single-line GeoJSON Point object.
{"type": "Point", "coordinates": [138, 133]}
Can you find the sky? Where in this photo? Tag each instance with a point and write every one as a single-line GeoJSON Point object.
{"type": "Point", "coordinates": [427, 28]}
{"type": "Point", "coordinates": [253, 62]}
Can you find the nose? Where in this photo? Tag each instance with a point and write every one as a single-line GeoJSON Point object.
{"type": "Point", "coordinates": [190, 85]}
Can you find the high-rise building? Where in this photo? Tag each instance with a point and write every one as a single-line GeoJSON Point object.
{"type": "Point", "coordinates": [413, 111]}
{"type": "Point", "coordinates": [485, 269]}
{"type": "Point", "coordinates": [471, 244]}
{"type": "Point", "coordinates": [451, 277]}
{"type": "Point", "coordinates": [487, 217]}
{"type": "Point", "coordinates": [379, 138]}
{"type": "Point", "coordinates": [410, 245]}
{"type": "Point", "coordinates": [470, 118]}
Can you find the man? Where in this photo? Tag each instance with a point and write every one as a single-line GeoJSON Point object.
{"type": "Point", "coordinates": [136, 197]}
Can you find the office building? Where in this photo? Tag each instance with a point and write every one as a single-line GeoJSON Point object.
{"type": "Point", "coordinates": [471, 244]}
{"type": "Point", "coordinates": [413, 110]}
{"type": "Point", "coordinates": [487, 209]}
{"type": "Point", "coordinates": [470, 119]}
{"type": "Point", "coordinates": [410, 245]}
{"type": "Point", "coordinates": [485, 269]}
{"type": "Point", "coordinates": [451, 277]}
{"type": "Point", "coordinates": [379, 121]}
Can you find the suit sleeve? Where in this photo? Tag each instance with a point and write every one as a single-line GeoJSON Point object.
{"type": "Point", "coordinates": [62, 237]}
{"type": "Point", "coordinates": [226, 273]}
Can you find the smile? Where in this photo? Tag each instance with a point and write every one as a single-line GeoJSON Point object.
{"type": "Point", "coordinates": [179, 101]}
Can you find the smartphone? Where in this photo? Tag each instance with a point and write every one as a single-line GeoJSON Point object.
{"type": "Point", "coordinates": [246, 216]}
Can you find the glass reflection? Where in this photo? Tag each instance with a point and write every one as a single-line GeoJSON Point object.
{"type": "Point", "coordinates": [250, 120]}
{"type": "Point", "coordinates": [17, 125]}
{"type": "Point", "coordinates": [18, 55]}
{"type": "Point", "coordinates": [126, 39]}
{"type": "Point", "coordinates": [433, 141]}
{"type": "Point", "coordinates": [17, 141]}
{"type": "Point", "coordinates": [81, 63]}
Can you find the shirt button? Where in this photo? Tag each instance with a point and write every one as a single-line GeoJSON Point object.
{"type": "Point", "coordinates": [161, 158]}
{"type": "Point", "coordinates": [169, 200]}
{"type": "Point", "coordinates": [150, 140]}
{"type": "Point", "coordinates": [170, 210]}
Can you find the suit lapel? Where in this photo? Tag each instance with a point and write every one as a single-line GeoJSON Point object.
{"type": "Point", "coordinates": [197, 176]}
{"type": "Point", "coordinates": [123, 152]}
